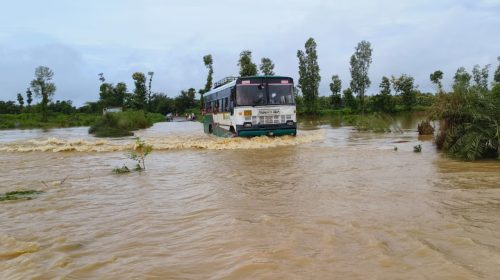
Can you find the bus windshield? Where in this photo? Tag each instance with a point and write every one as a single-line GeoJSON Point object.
{"type": "Point", "coordinates": [280, 94]}
{"type": "Point", "coordinates": [256, 95]}
{"type": "Point", "coordinates": [250, 95]}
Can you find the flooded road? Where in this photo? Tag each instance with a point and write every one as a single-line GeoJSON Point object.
{"type": "Point", "coordinates": [332, 203]}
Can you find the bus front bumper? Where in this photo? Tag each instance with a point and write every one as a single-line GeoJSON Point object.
{"type": "Point", "coordinates": [268, 130]}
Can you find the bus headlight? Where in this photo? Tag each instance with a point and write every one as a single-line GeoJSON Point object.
{"type": "Point", "coordinates": [247, 124]}
{"type": "Point", "coordinates": [289, 122]}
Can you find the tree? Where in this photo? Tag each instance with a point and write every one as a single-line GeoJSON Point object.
{"type": "Point", "coordinates": [247, 67]}
{"type": "Point", "coordinates": [496, 78]}
{"type": "Point", "coordinates": [139, 91]}
{"type": "Point", "coordinates": [186, 100]}
{"type": "Point", "coordinates": [120, 92]}
{"type": "Point", "coordinates": [349, 100]}
{"type": "Point", "coordinates": [404, 86]}
{"type": "Point", "coordinates": [360, 63]}
{"type": "Point", "coordinates": [436, 78]}
{"type": "Point", "coordinates": [384, 101]}
{"type": "Point", "coordinates": [335, 88]}
{"type": "Point", "coordinates": [101, 77]}
{"type": "Point", "coordinates": [29, 97]}
{"type": "Point", "coordinates": [480, 77]}
{"type": "Point", "coordinates": [266, 66]}
{"type": "Point", "coordinates": [106, 95]}
{"type": "Point", "coordinates": [150, 74]}
{"type": "Point", "coordinates": [461, 79]}
{"type": "Point", "coordinates": [20, 100]}
{"type": "Point", "coordinates": [43, 87]}
{"type": "Point", "coordinates": [309, 77]}
{"type": "Point", "coordinates": [208, 61]}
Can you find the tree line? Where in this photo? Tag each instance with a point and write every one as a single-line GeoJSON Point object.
{"type": "Point", "coordinates": [396, 93]}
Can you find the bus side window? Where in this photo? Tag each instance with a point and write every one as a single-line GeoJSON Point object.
{"type": "Point", "coordinates": [226, 104]}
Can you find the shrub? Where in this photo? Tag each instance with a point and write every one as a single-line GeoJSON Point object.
{"type": "Point", "coordinates": [425, 128]}
{"type": "Point", "coordinates": [120, 124]}
{"type": "Point", "coordinates": [470, 123]}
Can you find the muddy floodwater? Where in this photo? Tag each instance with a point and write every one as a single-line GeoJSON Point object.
{"type": "Point", "coordinates": [332, 203]}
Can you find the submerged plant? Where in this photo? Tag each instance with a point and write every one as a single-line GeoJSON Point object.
{"type": "Point", "coordinates": [139, 153]}
{"type": "Point", "coordinates": [20, 195]}
{"type": "Point", "coordinates": [121, 170]}
{"type": "Point", "coordinates": [417, 148]}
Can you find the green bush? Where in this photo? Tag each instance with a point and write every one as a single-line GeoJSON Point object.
{"type": "Point", "coordinates": [120, 124]}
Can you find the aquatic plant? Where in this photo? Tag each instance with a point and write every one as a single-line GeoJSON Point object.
{"type": "Point", "coordinates": [417, 148]}
{"type": "Point", "coordinates": [139, 153]}
{"type": "Point", "coordinates": [121, 170]}
{"type": "Point", "coordinates": [20, 195]}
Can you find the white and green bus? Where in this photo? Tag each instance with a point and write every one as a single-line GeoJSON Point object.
{"type": "Point", "coordinates": [251, 106]}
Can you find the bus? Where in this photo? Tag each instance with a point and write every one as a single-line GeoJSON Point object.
{"type": "Point", "coordinates": [251, 106]}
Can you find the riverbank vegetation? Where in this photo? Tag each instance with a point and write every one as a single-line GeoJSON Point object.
{"type": "Point", "coordinates": [468, 113]}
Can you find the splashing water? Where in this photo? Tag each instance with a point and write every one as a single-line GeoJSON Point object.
{"type": "Point", "coordinates": [161, 143]}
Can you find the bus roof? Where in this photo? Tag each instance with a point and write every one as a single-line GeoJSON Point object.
{"type": "Point", "coordinates": [234, 82]}
{"type": "Point", "coordinates": [264, 76]}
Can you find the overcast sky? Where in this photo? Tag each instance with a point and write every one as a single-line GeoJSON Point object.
{"type": "Point", "coordinates": [79, 39]}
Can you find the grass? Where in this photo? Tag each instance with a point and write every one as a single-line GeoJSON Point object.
{"type": "Point", "coordinates": [33, 120]}
{"type": "Point", "coordinates": [123, 123]}
{"type": "Point", "coordinates": [20, 195]}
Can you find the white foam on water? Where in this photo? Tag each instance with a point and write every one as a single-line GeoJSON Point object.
{"type": "Point", "coordinates": [162, 143]}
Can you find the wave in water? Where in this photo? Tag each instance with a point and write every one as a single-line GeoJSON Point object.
{"type": "Point", "coordinates": [162, 143]}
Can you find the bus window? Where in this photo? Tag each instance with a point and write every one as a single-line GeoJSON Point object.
{"type": "Point", "coordinates": [226, 104]}
{"type": "Point", "coordinates": [250, 95]}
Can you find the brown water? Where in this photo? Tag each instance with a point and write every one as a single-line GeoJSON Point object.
{"type": "Point", "coordinates": [332, 203]}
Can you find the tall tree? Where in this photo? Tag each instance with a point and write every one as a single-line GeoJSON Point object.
{"type": "Point", "coordinates": [461, 80]}
{"type": "Point", "coordinates": [208, 61]}
{"type": "Point", "coordinates": [101, 77]}
{"type": "Point", "coordinates": [29, 97]}
{"type": "Point", "coordinates": [480, 77]}
{"type": "Point", "coordinates": [335, 88]}
{"type": "Point", "coordinates": [309, 77]}
{"type": "Point", "coordinates": [106, 95]}
{"type": "Point", "coordinates": [267, 66]}
{"type": "Point", "coordinates": [360, 63]}
{"type": "Point", "coordinates": [436, 78]}
{"type": "Point", "coordinates": [43, 87]}
{"type": "Point", "coordinates": [404, 85]}
{"type": "Point", "coordinates": [139, 91]}
{"type": "Point", "coordinates": [20, 100]}
{"type": "Point", "coordinates": [496, 78]}
{"type": "Point", "coordinates": [120, 92]}
{"type": "Point", "coordinates": [247, 67]}
{"type": "Point", "coordinates": [384, 101]}
{"type": "Point", "coordinates": [150, 74]}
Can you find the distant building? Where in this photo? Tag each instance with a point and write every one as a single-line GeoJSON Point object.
{"type": "Point", "coordinates": [112, 110]}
